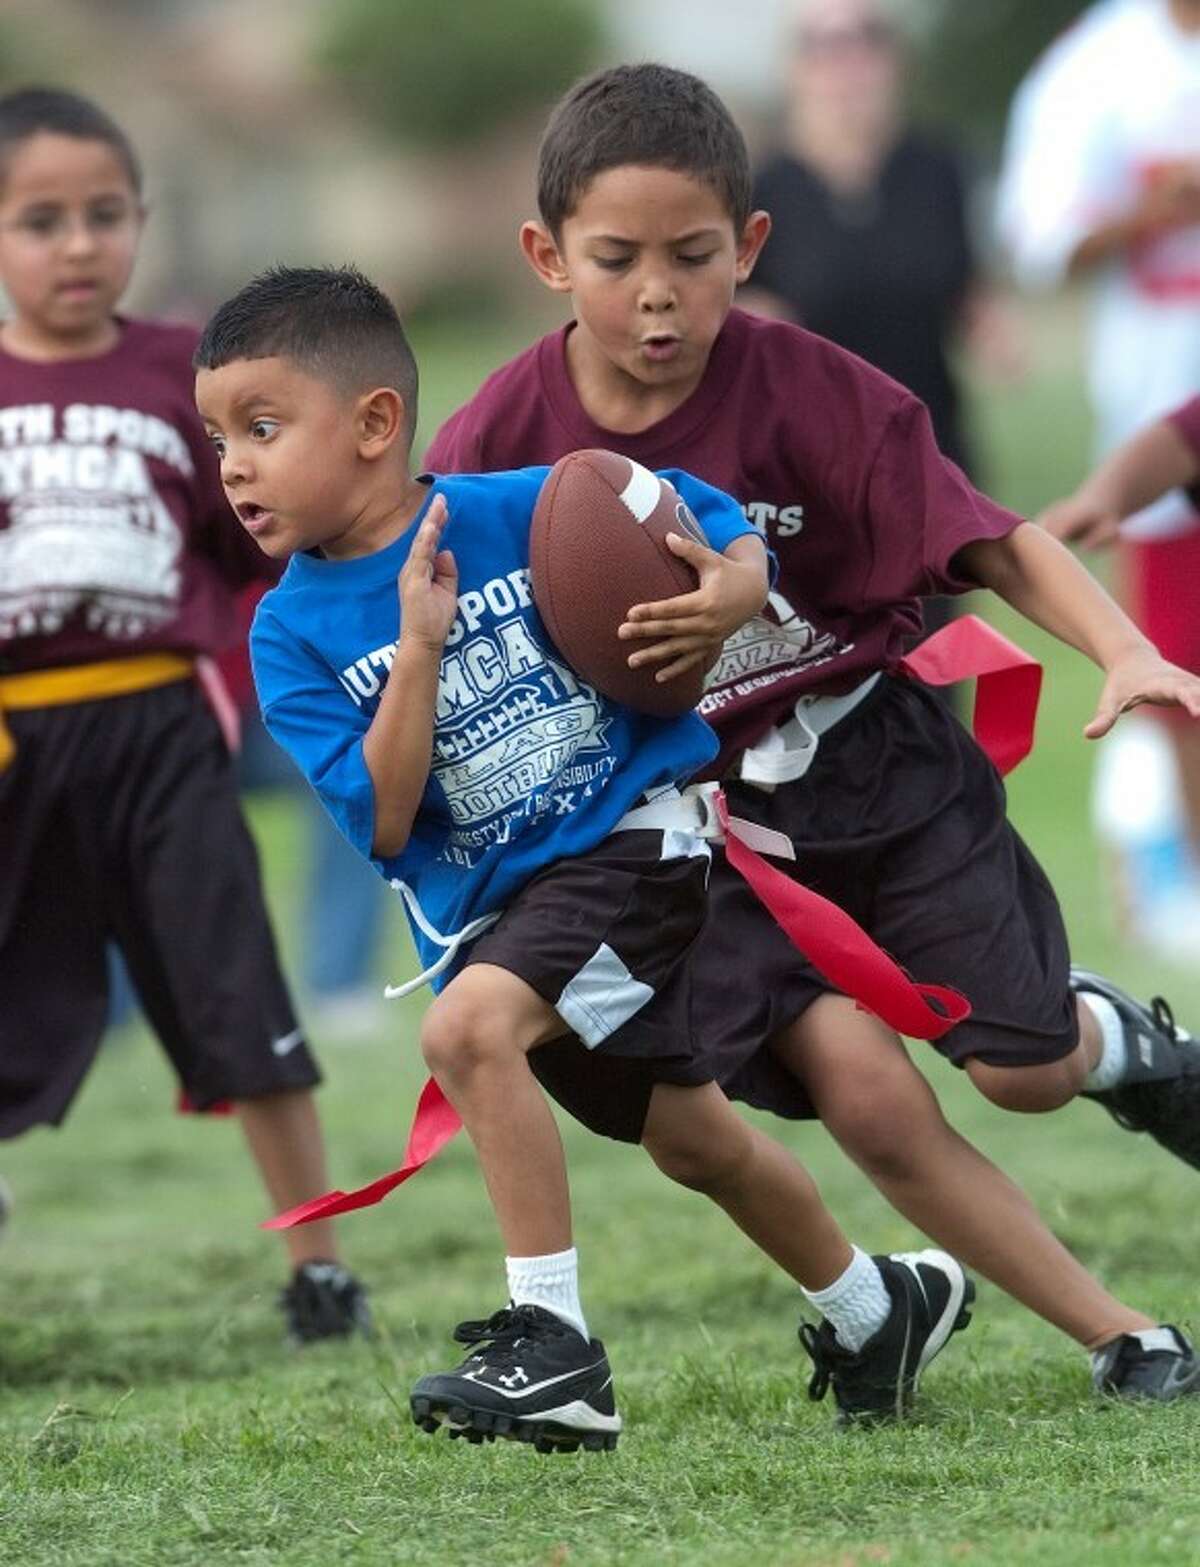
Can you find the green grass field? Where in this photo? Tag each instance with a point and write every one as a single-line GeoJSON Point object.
{"type": "Point", "coordinates": [149, 1415]}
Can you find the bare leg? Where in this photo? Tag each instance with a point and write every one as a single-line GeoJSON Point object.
{"type": "Point", "coordinates": [1031, 1090]}
{"type": "Point", "coordinates": [475, 1037]}
{"type": "Point", "coordinates": [886, 1117]}
{"type": "Point", "coordinates": [284, 1136]}
{"type": "Point", "coordinates": [696, 1137]}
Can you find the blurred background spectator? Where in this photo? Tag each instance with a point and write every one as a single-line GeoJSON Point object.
{"type": "Point", "coordinates": [871, 243]}
{"type": "Point", "coordinates": [1101, 183]}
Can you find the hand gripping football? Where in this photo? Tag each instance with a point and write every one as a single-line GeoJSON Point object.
{"type": "Point", "coordinates": [597, 546]}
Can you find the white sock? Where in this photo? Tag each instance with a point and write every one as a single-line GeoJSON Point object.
{"type": "Point", "coordinates": [1110, 1068]}
{"type": "Point", "coordinates": [857, 1303]}
{"type": "Point", "coordinates": [1150, 1339]}
{"type": "Point", "coordinates": [552, 1282]}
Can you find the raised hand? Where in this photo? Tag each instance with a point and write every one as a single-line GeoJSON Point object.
{"type": "Point", "coordinates": [428, 583]}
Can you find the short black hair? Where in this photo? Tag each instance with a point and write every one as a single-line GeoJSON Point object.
{"type": "Point", "coordinates": [651, 116]}
{"type": "Point", "coordinates": [32, 111]}
{"type": "Point", "coordinates": [332, 321]}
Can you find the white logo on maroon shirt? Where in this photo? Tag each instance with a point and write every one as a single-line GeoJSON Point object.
{"type": "Point", "coordinates": [785, 521]}
{"type": "Point", "coordinates": [87, 528]}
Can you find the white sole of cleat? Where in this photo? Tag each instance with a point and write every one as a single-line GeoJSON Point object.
{"type": "Point", "coordinates": [562, 1430]}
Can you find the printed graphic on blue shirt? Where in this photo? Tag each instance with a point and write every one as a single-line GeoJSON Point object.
{"type": "Point", "coordinates": [516, 734]}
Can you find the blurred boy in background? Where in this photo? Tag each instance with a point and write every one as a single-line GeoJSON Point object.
{"type": "Point", "coordinates": [1101, 183]}
{"type": "Point", "coordinates": [119, 561]}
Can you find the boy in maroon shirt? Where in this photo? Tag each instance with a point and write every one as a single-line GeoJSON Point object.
{"type": "Point", "coordinates": [119, 818]}
{"type": "Point", "coordinates": [899, 817]}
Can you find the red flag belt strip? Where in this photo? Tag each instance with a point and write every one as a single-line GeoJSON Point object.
{"type": "Point", "coordinates": [839, 949]}
{"type": "Point", "coordinates": [1008, 686]}
{"type": "Point", "coordinates": [434, 1124]}
{"type": "Point", "coordinates": [1008, 682]}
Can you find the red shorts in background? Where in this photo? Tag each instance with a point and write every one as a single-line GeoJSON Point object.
{"type": "Point", "coordinates": [1163, 577]}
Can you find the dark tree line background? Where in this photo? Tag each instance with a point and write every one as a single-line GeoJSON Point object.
{"type": "Point", "coordinates": [442, 73]}
{"type": "Point", "coordinates": [974, 53]}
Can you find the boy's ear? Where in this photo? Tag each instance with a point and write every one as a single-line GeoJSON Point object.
{"type": "Point", "coordinates": [751, 240]}
{"type": "Point", "coordinates": [381, 419]}
{"type": "Point", "coordinates": [541, 251]}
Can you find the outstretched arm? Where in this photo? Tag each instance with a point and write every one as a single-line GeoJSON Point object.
{"type": "Point", "coordinates": [398, 746]}
{"type": "Point", "coordinates": [1045, 583]}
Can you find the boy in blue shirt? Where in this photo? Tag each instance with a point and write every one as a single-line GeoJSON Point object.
{"type": "Point", "coordinates": [497, 792]}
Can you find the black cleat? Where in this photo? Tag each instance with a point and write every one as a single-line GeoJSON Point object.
{"type": "Point", "coordinates": [324, 1300]}
{"type": "Point", "coordinates": [1126, 1369]}
{"type": "Point", "coordinates": [1161, 1092]}
{"type": "Point", "coordinates": [531, 1378]}
{"type": "Point", "coordinates": [930, 1299]}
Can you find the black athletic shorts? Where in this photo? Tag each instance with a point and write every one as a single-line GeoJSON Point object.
{"type": "Point", "coordinates": [604, 939]}
{"type": "Point", "coordinates": [119, 820]}
{"type": "Point", "coordinates": [901, 821]}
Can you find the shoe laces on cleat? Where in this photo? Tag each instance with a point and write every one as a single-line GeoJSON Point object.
{"type": "Point", "coordinates": [1164, 1018]}
{"type": "Point", "coordinates": [826, 1354]}
{"type": "Point", "coordinates": [505, 1330]}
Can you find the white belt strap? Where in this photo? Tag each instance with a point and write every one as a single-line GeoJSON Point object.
{"type": "Point", "coordinates": [786, 752]}
{"type": "Point", "coordinates": [695, 811]}
{"type": "Point", "coordinates": [692, 811]}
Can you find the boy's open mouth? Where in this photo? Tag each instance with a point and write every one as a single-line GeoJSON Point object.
{"type": "Point", "coordinates": [252, 515]}
{"type": "Point", "coordinates": [660, 345]}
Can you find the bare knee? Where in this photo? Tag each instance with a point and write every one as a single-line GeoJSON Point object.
{"type": "Point", "coordinates": [700, 1169]}
{"type": "Point", "coordinates": [459, 1036]}
{"type": "Point", "coordinates": [1030, 1090]}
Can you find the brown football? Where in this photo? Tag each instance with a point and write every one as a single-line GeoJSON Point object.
{"type": "Point", "coordinates": [597, 546]}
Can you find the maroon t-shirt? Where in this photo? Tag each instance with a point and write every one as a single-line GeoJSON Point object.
{"type": "Point", "coordinates": [115, 535]}
{"type": "Point", "coordinates": [834, 462]}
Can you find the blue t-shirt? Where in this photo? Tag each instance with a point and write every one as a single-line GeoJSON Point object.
{"type": "Point", "coordinates": [530, 764]}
